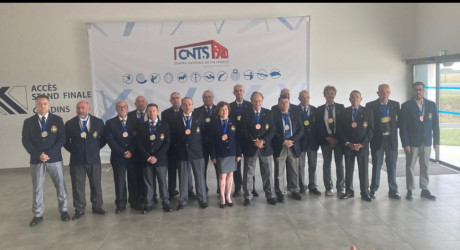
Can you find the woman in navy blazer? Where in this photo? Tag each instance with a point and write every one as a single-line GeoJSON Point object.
{"type": "Point", "coordinates": [225, 150]}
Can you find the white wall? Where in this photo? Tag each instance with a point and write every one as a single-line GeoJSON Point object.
{"type": "Point", "coordinates": [353, 46]}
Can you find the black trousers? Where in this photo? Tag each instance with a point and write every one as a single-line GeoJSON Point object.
{"type": "Point", "coordinates": [363, 168]}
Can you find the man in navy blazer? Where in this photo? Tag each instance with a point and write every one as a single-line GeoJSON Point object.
{"type": "Point", "coordinates": [355, 130]}
{"type": "Point", "coordinates": [84, 139]}
{"type": "Point", "coordinates": [136, 200]}
{"type": "Point", "coordinates": [257, 133]}
{"type": "Point", "coordinates": [208, 112]}
{"type": "Point", "coordinates": [43, 136]}
{"type": "Point", "coordinates": [236, 112]}
{"type": "Point", "coordinates": [287, 148]}
{"type": "Point", "coordinates": [385, 140]}
{"type": "Point", "coordinates": [309, 144]}
{"type": "Point", "coordinates": [120, 136]}
{"type": "Point", "coordinates": [419, 130]}
{"type": "Point", "coordinates": [327, 137]}
{"type": "Point", "coordinates": [188, 139]}
{"type": "Point", "coordinates": [153, 144]}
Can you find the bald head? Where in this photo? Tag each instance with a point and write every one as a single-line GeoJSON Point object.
{"type": "Point", "coordinates": [304, 98]}
{"type": "Point", "coordinates": [141, 103]}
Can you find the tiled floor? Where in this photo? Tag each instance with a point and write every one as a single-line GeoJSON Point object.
{"type": "Point", "coordinates": [315, 222]}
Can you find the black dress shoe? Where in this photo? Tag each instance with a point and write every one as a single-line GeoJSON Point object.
{"type": "Point", "coordinates": [366, 198]}
{"type": "Point", "coordinates": [191, 195]}
{"type": "Point", "coordinates": [246, 202]}
{"type": "Point", "coordinates": [77, 215]}
{"type": "Point", "coordinates": [35, 221]}
{"type": "Point", "coordinates": [146, 209]}
{"type": "Point", "coordinates": [237, 193]}
{"type": "Point", "coordinates": [395, 196]}
{"type": "Point", "coordinates": [120, 209]}
{"type": "Point", "coordinates": [230, 204]}
{"type": "Point", "coordinates": [204, 205]}
{"type": "Point", "coordinates": [372, 195]}
{"type": "Point", "coordinates": [254, 193]}
{"type": "Point", "coordinates": [426, 194]}
{"type": "Point", "coordinates": [409, 195]}
{"type": "Point", "coordinates": [180, 206]}
{"type": "Point", "coordinates": [315, 191]}
{"type": "Point", "coordinates": [99, 211]}
{"type": "Point", "coordinates": [167, 208]}
{"type": "Point", "coordinates": [271, 201]}
{"type": "Point", "coordinates": [280, 198]}
{"type": "Point", "coordinates": [65, 216]}
{"type": "Point", "coordinates": [296, 196]}
{"type": "Point", "coordinates": [347, 195]}
{"type": "Point", "coordinates": [302, 190]}
{"type": "Point", "coordinates": [222, 205]}
{"type": "Point", "coordinates": [173, 193]}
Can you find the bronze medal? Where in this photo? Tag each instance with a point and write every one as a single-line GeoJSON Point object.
{"type": "Point", "coordinates": [258, 126]}
{"type": "Point", "coordinates": [83, 135]}
{"type": "Point", "coordinates": [306, 123]}
{"type": "Point", "coordinates": [330, 120]}
{"type": "Point", "coordinates": [188, 131]}
{"type": "Point", "coordinates": [286, 127]}
{"type": "Point", "coordinates": [125, 134]}
{"type": "Point", "coordinates": [152, 137]}
{"type": "Point", "coordinates": [354, 124]}
{"type": "Point", "coordinates": [421, 118]}
{"type": "Point", "coordinates": [224, 137]}
{"type": "Point", "coordinates": [44, 134]}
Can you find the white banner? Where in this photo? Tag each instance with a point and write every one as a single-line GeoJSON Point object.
{"type": "Point", "coordinates": [156, 58]}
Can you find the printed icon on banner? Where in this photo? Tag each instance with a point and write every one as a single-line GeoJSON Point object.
{"type": "Point", "coordinates": [195, 77]}
{"type": "Point", "coordinates": [262, 74]}
{"type": "Point", "coordinates": [182, 77]}
{"type": "Point", "coordinates": [248, 74]}
{"type": "Point", "coordinates": [168, 77]}
{"type": "Point", "coordinates": [13, 100]}
{"type": "Point", "coordinates": [155, 78]}
{"type": "Point", "coordinates": [275, 73]}
{"type": "Point", "coordinates": [140, 78]}
{"type": "Point", "coordinates": [235, 75]}
{"type": "Point", "coordinates": [222, 76]}
{"type": "Point", "coordinates": [128, 79]}
{"type": "Point", "coordinates": [209, 76]}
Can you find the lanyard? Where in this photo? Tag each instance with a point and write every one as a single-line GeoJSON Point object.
{"type": "Point", "coordinates": [153, 128]}
{"type": "Point", "coordinates": [123, 125]}
{"type": "Point", "coordinates": [420, 110]}
{"type": "Point", "coordinates": [305, 113]}
{"type": "Point", "coordinates": [187, 122]}
{"type": "Point", "coordinates": [286, 119]}
{"type": "Point", "coordinates": [43, 123]}
{"type": "Point", "coordinates": [224, 127]}
{"type": "Point", "coordinates": [330, 108]}
{"type": "Point", "coordinates": [239, 109]}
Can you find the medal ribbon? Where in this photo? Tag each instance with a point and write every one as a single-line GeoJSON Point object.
{"type": "Point", "coordinates": [355, 114]}
{"type": "Point", "coordinates": [152, 128]}
{"type": "Point", "coordinates": [187, 123]}
{"type": "Point", "coordinates": [420, 110]}
{"type": "Point", "coordinates": [257, 116]}
{"type": "Point", "coordinates": [43, 123]}
{"type": "Point", "coordinates": [239, 109]}
{"type": "Point", "coordinates": [384, 109]}
{"type": "Point", "coordinates": [287, 132]}
{"type": "Point", "coordinates": [83, 127]}
{"type": "Point", "coordinates": [123, 125]}
{"type": "Point", "coordinates": [224, 126]}
{"type": "Point", "coordinates": [305, 113]}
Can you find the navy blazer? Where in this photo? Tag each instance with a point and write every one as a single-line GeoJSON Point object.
{"type": "Point", "coordinates": [202, 111]}
{"type": "Point", "coordinates": [249, 133]}
{"type": "Point", "coordinates": [84, 151]}
{"type": "Point", "coordinates": [188, 147]}
{"type": "Point", "coordinates": [35, 144]}
{"type": "Point", "coordinates": [414, 132]}
{"type": "Point", "coordinates": [133, 114]}
{"type": "Point", "coordinates": [309, 139]}
{"type": "Point", "coordinates": [117, 143]}
{"type": "Point", "coordinates": [321, 125]}
{"type": "Point", "coordinates": [169, 115]}
{"type": "Point", "coordinates": [230, 147]}
{"type": "Point", "coordinates": [394, 114]}
{"type": "Point", "coordinates": [297, 132]}
{"type": "Point", "coordinates": [362, 133]}
{"type": "Point", "coordinates": [158, 147]}
{"type": "Point", "coordinates": [234, 109]}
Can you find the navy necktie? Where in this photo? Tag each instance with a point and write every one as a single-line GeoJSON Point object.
{"type": "Point", "coordinates": [141, 117]}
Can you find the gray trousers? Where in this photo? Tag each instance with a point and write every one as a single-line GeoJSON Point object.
{"type": "Point", "coordinates": [340, 169]}
{"type": "Point", "coordinates": [78, 176]}
{"type": "Point", "coordinates": [184, 179]}
{"type": "Point", "coordinates": [38, 173]}
{"type": "Point", "coordinates": [266, 171]}
{"type": "Point", "coordinates": [312, 158]}
{"type": "Point", "coordinates": [286, 163]}
{"type": "Point", "coordinates": [423, 154]}
{"type": "Point", "coordinates": [149, 174]}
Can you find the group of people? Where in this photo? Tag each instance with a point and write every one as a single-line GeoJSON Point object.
{"type": "Point", "coordinates": [284, 140]}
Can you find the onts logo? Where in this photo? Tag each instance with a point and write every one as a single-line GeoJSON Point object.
{"type": "Point", "coordinates": [201, 51]}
